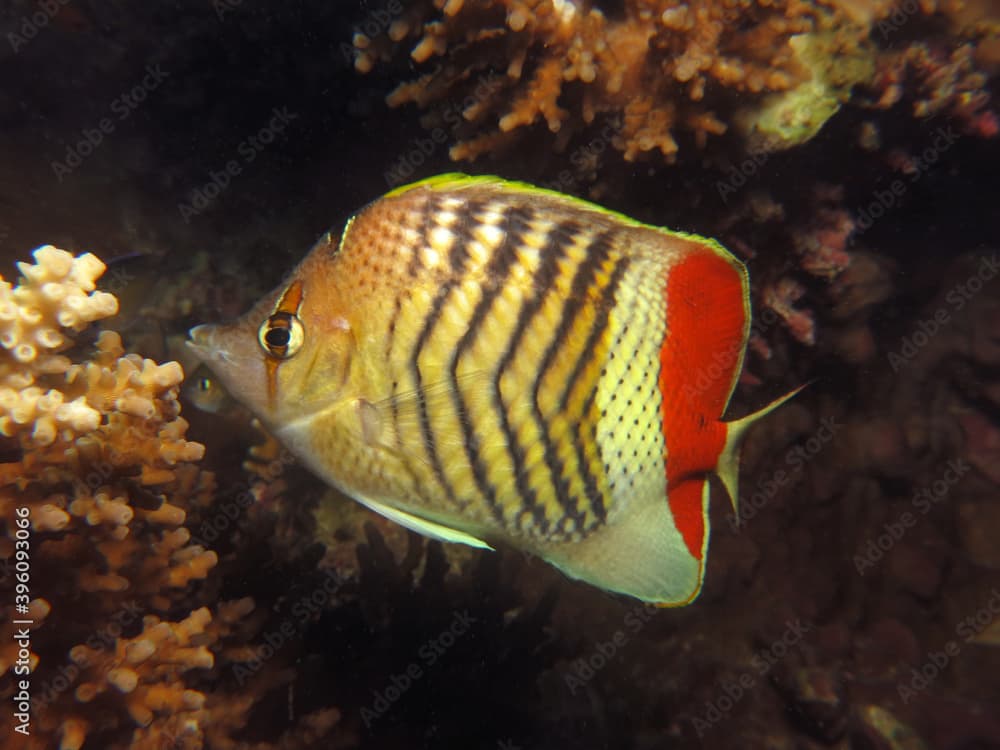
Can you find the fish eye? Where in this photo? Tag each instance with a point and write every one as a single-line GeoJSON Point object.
{"type": "Point", "coordinates": [277, 337]}
{"type": "Point", "coordinates": [204, 384]}
{"type": "Point", "coordinates": [281, 335]}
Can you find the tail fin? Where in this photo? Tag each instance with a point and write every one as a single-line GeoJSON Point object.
{"type": "Point", "coordinates": [728, 468]}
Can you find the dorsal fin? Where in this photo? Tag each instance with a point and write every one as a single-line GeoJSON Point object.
{"type": "Point", "coordinates": [454, 181]}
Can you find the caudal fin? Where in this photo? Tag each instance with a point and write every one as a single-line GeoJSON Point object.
{"type": "Point", "coordinates": [728, 468]}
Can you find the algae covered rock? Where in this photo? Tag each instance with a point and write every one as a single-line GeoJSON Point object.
{"type": "Point", "coordinates": [790, 118]}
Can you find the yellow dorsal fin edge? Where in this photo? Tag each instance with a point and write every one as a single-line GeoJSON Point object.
{"type": "Point", "coordinates": [459, 181]}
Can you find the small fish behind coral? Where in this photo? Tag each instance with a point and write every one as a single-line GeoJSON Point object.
{"type": "Point", "coordinates": [488, 362]}
{"type": "Point", "coordinates": [204, 391]}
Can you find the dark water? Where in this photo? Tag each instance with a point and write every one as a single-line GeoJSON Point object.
{"type": "Point", "coordinates": [200, 148]}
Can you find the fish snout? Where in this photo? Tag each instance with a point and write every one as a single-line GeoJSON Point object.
{"type": "Point", "coordinates": [234, 356]}
{"type": "Point", "coordinates": [201, 340]}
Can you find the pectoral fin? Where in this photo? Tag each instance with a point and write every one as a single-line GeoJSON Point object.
{"type": "Point", "coordinates": [386, 421]}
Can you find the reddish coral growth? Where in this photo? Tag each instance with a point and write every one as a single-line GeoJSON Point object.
{"type": "Point", "coordinates": [938, 80]}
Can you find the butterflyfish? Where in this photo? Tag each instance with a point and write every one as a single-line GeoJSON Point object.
{"type": "Point", "coordinates": [487, 362]}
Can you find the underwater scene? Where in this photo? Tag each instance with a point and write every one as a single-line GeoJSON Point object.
{"type": "Point", "coordinates": [500, 374]}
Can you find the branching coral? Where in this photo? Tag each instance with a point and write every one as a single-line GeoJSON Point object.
{"type": "Point", "coordinates": [661, 67]}
{"type": "Point", "coordinates": [95, 457]}
{"type": "Point", "coordinates": [664, 71]}
{"type": "Point", "coordinates": [939, 81]}
{"type": "Point", "coordinates": [100, 464]}
{"type": "Point", "coordinates": [59, 295]}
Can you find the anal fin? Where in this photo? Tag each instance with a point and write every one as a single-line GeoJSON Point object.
{"type": "Point", "coordinates": [642, 553]}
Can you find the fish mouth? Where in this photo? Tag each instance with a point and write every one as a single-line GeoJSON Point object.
{"type": "Point", "coordinates": [201, 342]}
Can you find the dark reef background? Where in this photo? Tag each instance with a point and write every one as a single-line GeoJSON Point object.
{"type": "Point", "coordinates": [199, 148]}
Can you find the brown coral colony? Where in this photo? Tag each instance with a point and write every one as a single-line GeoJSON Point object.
{"type": "Point", "coordinates": [769, 73]}
{"type": "Point", "coordinates": [96, 462]}
{"type": "Point", "coordinates": [658, 67]}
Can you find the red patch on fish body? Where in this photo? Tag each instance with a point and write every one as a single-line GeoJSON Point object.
{"type": "Point", "coordinates": [701, 352]}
